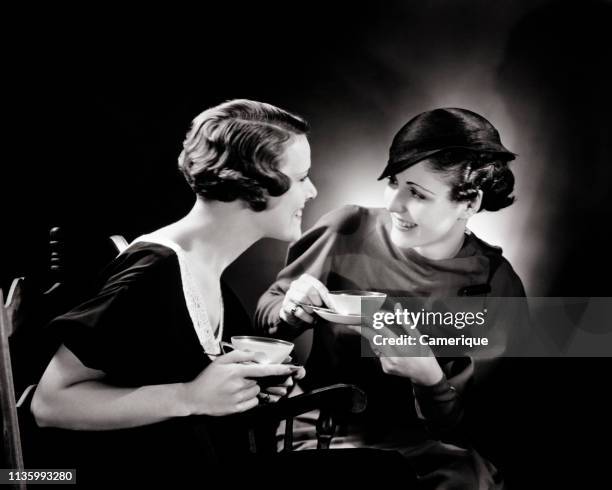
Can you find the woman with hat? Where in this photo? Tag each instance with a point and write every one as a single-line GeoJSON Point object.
{"type": "Point", "coordinates": [445, 165]}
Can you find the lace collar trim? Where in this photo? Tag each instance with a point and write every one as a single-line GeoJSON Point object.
{"type": "Point", "coordinates": [210, 341]}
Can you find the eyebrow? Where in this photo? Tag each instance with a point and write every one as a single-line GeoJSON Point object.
{"type": "Point", "coordinates": [420, 186]}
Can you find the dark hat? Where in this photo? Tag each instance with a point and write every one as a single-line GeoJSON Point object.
{"type": "Point", "coordinates": [442, 129]}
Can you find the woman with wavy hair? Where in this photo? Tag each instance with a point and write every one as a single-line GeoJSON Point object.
{"type": "Point", "coordinates": [444, 166]}
{"type": "Point", "coordinates": [141, 362]}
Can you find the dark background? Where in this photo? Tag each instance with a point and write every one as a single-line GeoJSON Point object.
{"type": "Point", "coordinates": [100, 103]}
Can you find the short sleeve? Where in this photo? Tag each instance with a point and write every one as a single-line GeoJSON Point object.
{"type": "Point", "coordinates": [136, 328]}
{"type": "Point", "coordinates": [87, 330]}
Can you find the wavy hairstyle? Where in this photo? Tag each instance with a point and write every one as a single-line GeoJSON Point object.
{"type": "Point", "coordinates": [234, 150]}
{"type": "Point", "coordinates": [468, 171]}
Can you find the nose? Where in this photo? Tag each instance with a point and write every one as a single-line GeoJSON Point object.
{"type": "Point", "coordinates": [311, 190]}
{"type": "Point", "coordinates": [395, 201]}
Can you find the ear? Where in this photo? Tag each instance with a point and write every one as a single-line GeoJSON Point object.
{"type": "Point", "coordinates": [472, 207]}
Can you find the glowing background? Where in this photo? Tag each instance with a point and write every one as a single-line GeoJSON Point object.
{"type": "Point", "coordinates": [100, 114]}
{"type": "Point", "coordinates": [102, 133]}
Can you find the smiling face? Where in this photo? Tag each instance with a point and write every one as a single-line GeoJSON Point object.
{"type": "Point", "coordinates": [423, 216]}
{"type": "Point", "coordinates": [283, 217]}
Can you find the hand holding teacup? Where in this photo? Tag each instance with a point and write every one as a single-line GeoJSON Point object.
{"type": "Point", "coordinates": [304, 292]}
{"type": "Point", "coordinates": [229, 384]}
{"type": "Point", "coordinates": [270, 351]}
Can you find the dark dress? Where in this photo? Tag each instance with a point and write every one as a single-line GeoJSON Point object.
{"type": "Point", "coordinates": [351, 249]}
{"type": "Point", "coordinates": [137, 329]}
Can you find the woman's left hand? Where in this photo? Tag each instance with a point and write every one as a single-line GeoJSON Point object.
{"type": "Point", "coordinates": [273, 393]}
{"type": "Point", "coordinates": [421, 370]}
{"type": "Point", "coordinates": [422, 367]}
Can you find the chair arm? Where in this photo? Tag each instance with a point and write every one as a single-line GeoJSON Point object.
{"type": "Point", "coordinates": [335, 399]}
{"type": "Point", "coordinates": [331, 401]}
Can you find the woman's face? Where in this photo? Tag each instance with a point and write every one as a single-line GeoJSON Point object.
{"type": "Point", "coordinates": [422, 215]}
{"type": "Point", "coordinates": [283, 217]}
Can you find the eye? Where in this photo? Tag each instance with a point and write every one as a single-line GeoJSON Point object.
{"type": "Point", "coordinates": [392, 181]}
{"type": "Point", "coordinates": [416, 194]}
{"type": "Point", "coordinates": [305, 178]}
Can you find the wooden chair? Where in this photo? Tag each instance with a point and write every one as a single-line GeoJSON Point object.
{"type": "Point", "coordinates": [23, 351]}
{"type": "Point", "coordinates": [12, 455]}
{"type": "Point", "coordinates": [26, 349]}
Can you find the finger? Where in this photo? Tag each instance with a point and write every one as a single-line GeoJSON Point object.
{"type": "Point", "coordinates": [307, 289]}
{"type": "Point", "coordinates": [273, 398]}
{"type": "Point", "coordinates": [298, 288]}
{"type": "Point", "coordinates": [302, 296]}
{"type": "Point", "coordinates": [314, 298]}
{"type": "Point", "coordinates": [238, 356]}
{"type": "Point", "coordinates": [299, 374]}
{"type": "Point", "coordinates": [307, 293]}
{"type": "Point", "coordinates": [321, 289]}
{"type": "Point", "coordinates": [286, 317]}
{"type": "Point", "coordinates": [292, 311]}
{"type": "Point", "coordinates": [303, 315]}
{"type": "Point", "coordinates": [307, 306]}
{"type": "Point", "coordinates": [369, 333]}
{"type": "Point", "coordinates": [288, 382]}
{"type": "Point", "coordinates": [268, 398]}
{"type": "Point", "coordinates": [276, 390]}
{"type": "Point", "coordinates": [261, 370]}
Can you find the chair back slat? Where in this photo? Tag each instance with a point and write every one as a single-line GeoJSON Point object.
{"type": "Point", "coordinates": [56, 259]}
{"type": "Point", "coordinates": [13, 304]}
{"type": "Point", "coordinates": [120, 242]}
{"type": "Point", "coordinates": [10, 426]}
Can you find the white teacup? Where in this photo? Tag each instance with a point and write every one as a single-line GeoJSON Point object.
{"type": "Point", "coordinates": [274, 350]}
{"type": "Point", "coordinates": [349, 302]}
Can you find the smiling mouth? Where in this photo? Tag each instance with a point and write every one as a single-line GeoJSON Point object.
{"type": "Point", "coordinates": [403, 225]}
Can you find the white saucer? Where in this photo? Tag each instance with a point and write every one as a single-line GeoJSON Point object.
{"type": "Point", "coordinates": [333, 317]}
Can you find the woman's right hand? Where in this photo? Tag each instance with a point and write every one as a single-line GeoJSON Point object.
{"type": "Point", "coordinates": [226, 385]}
{"type": "Point", "coordinates": [304, 291]}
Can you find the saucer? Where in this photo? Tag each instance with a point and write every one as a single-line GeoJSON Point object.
{"type": "Point", "coordinates": [333, 317]}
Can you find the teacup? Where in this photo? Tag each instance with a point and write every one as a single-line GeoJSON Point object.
{"type": "Point", "coordinates": [348, 302]}
{"type": "Point", "coordinates": [274, 350]}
